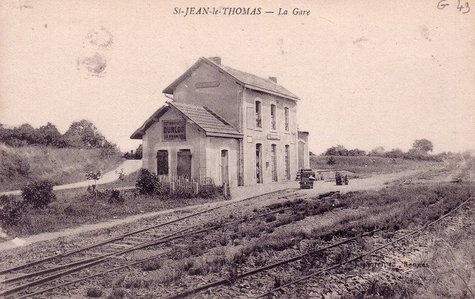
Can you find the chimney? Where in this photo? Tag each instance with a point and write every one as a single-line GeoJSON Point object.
{"type": "Point", "coordinates": [273, 79]}
{"type": "Point", "coordinates": [215, 59]}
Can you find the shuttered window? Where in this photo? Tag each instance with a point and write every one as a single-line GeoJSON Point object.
{"type": "Point", "coordinates": [162, 162]}
{"type": "Point", "coordinates": [258, 115]}
{"type": "Point", "coordinates": [273, 121]}
{"type": "Point", "coordinates": [286, 116]}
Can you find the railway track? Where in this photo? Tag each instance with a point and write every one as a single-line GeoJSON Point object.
{"type": "Point", "coordinates": [315, 273]}
{"type": "Point", "coordinates": [58, 271]}
{"type": "Point", "coordinates": [68, 266]}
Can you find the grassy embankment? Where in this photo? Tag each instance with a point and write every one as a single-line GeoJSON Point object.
{"type": "Point", "coordinates": [21, 165]}
{"type": "Point", "coordinates": [77, 207]}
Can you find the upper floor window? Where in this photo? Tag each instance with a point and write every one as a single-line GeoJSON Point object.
{"type": "Point", "coordinates": [258, 114]}
{"type": "Point", "coordinates": [286, 114]}
{"type": "Point", "coordinates": [272, 117]}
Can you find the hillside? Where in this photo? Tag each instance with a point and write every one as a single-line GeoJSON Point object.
{"type": "Point", "coordinates": [20, 165]}
{"type": "Point", "coordinates": [367, 165]}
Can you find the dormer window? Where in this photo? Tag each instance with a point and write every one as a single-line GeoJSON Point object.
{"type": "Point", "coordinates": [273, 123]}
{"type": "Point", "coordinates": [258, 114]}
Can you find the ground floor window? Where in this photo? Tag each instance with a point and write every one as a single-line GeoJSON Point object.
{"type": "Point", "coordinates": [287, 162]}
{"type": "Point", "coordinates": [273, 159]}
{"type": "Point", "coordinates": [259, 163]}
{"type": "Point", "coordinates": [162, 162]}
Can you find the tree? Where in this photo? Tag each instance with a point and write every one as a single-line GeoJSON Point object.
{"type": "Point", "coordinates": [338, 150]}
{"type": "Point", "coordinates": [49, 135]}
{"type": "Point", "coordinates": [377, 151]}
{"type": "Point", "coordinates": [356, 152]}
{"type": "Point", "coordinates": [84, 134]}
{"type": "Point", "coordinates": [422, 145]}
{"type": "Point", "coordinates": [139, 152]}
{"type": "Point", "coordinates": [394, 153]}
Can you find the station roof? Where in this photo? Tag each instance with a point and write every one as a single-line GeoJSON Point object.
{"type": "Point", "coordinates": [246, 79]}
{"type": "Point", "coordinates": [206, 119]}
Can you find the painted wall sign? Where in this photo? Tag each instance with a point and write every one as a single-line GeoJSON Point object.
{"type": "Point", "coordinates": [174, 130]}
{"type": "Point", "coordinates": [273, 136]}
{"type": "Point", "coordinates": [207, 84]}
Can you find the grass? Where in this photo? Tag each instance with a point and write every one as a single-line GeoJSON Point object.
{"type": "Point", "coordinates": [78, 207]}
{"type": "Point", "coordinates": [446, 270]}
{"type": "Point", "coordinates": [365, 165]}
{"type": "Point", "coordinates": [21, 165]}
{"type": "Point", "coordinates": [128, 181]}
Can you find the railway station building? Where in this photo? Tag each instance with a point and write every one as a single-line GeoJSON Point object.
{"type": "Point", "coordinates": [225, 124]}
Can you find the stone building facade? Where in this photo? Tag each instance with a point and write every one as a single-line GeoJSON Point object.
{"type": "Point", "coordinates": [226, 124]}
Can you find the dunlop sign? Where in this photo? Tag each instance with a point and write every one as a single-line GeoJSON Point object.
{"type": "Point", "coordinates": [174, 130]}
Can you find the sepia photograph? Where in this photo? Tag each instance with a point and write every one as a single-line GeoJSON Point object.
{"type": "Point", "coordinates": [237, 149]}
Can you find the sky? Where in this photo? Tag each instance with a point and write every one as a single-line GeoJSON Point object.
{"type": "Point", "coordinates": [368, 73]}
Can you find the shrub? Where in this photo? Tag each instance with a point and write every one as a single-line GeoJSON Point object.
{"type": "Point", "coordinates": [11, 210]}
{"type": "Point", "coordinates": [162, 188]}
{"type": "Point", "coordinates": [114, 196]}
{"type": "Point", "coordinates": [146, 182]}
{"type": "Point", "coordinates": [13, 165]}
{"type": "Point", "coordinates": [209, 191]}
{"type": "Point", "coordinates": [94, 292]}
{"type": "Point", "coordinates": [183, 192]}
{"type": "Point", "coordinates": [38, 194]}
{"type": "Point", "coordinates": [270, 218]}
{"type": "Point", "coordinates": [117, 294]}
{"type": "Point", "coordinates": [331, 160]}
{"type": "Point", "coordinates": [151, 265]}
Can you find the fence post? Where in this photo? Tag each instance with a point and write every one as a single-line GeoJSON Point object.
{"type": "Point", "coordinates": [197, 188]}
{"type": "Point", "coordinates": [225, 190]}
{"type": "Point", "coordinates": [172, 187]}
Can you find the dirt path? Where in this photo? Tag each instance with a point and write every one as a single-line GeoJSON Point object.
{"type": "Point", "coordinates": [128, 166]}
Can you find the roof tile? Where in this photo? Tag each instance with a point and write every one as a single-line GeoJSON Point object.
{"type": "Point", "coordinates": [205, 118]}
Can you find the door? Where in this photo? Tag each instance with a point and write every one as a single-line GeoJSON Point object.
{"type": "Point", "coordinates": [287, 162]}
{"type": "Point", "coordinates": [162, 162]}
{"type": "Point", "coordinates": [183, 163]}
{"type": "Point", "coordinates": [259, 163]}
{"type": "Point", "coordinates": [273, 159]}
{"type": "Point", "coordinates": [301, 155]}
{"type": "Point", "coordinates": [224, 167]}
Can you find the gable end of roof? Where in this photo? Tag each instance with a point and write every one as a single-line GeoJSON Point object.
{"type": "Point", "coordinates": [246, 79]}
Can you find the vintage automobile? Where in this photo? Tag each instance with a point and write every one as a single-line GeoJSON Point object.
{"type": "Point", "coordinates": [307, 177]}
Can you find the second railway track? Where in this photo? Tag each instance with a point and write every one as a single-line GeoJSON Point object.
{"type": "Point", "coordinates": [18, 280]}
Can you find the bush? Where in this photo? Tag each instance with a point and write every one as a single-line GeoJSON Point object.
{"type": "Point", "coordinates": [151, 265]}
{"type": "Point", "coordinates": [11, 210]}
{"type": "Point", "coordinates": [270, 218]}
{"type": "Point", "coordinates": [13, 165]}
{"type": "Point", "coordinates": [94, 292]}
{"type": "Point", "coordinates": [146, 182]}
{"type": "Point", "coordinates": [183, 192]}
{"type": "Point", "coordinates": [38, 194]}
{"type": "Point", "coordinates": [114, 196]}
{"type": "Point", "coordinates": [331, 160]}
{"type": "Point", "coordinates": [117, 294]}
